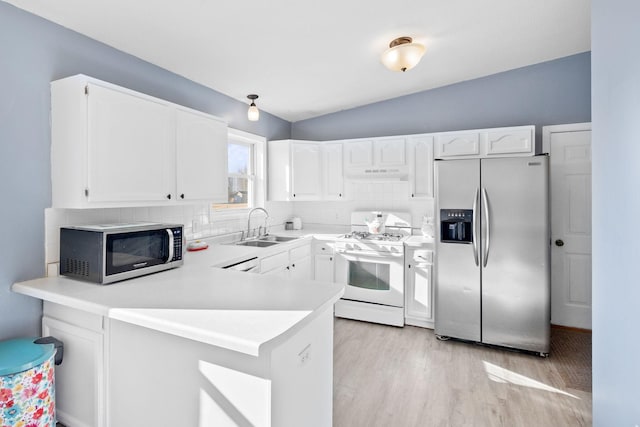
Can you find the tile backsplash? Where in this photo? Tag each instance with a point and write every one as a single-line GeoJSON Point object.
{"type": "Point", "coordinates": [202, 221]}
{"type": "Point", "coordinates": [199, 220]}
{"type": "Point", "coordinates": [375, 196]}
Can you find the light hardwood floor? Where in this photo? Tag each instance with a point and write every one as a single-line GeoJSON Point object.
{"type": "Point", "coordinates": [388, 376]}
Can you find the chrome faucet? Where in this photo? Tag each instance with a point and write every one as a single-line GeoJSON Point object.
{"type": "Point", "coordinates": [249, 221]}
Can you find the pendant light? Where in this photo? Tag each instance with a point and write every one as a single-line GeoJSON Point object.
{"type": "Point", "coordinates": [402, 54]}
{"type": "Point", "coordinates": [253, 114]}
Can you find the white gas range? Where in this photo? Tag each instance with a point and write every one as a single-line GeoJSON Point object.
{"type": "Point", "coordinates": [370, 262]}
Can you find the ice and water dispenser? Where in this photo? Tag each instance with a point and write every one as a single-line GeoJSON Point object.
{"type": "Point", "coordinates": [456, 225]}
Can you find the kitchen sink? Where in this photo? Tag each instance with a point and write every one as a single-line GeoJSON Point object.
{"type": "Point", "coordinates": [257, 243]}
{"type": "Point", "coordinates": [277, 239]}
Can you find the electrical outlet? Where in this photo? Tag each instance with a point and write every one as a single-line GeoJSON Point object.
{"type": "Point", "coordinates": [304, 355]}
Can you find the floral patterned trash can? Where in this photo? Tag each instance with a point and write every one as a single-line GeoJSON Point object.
{"type": "Point", "coordinates": [27, 394]}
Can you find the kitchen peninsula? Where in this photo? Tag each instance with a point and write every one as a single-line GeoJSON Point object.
{"type": "Point", "coordinates": [192, 346]}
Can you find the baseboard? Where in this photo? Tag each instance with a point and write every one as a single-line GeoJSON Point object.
{"type": "Point", "coordinates": [571, 328]}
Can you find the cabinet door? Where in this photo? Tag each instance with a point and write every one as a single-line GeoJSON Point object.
{"type": "Point", "coordinates": [419, 291]}
{"type": "Point", "coordinates": [458, 144]}
{"type": "Point", "coordinates": [130, 148]}
{"type": "Point", "coordinates": [509, 142]}
{"type": "Point", "coordinates": [301, 268]}
{"type": "Point", "coordinates": [389, 152]}
{"type": "Point", "coordinates": [420, 157]}
{"type": "Point", "coordinates": [306, 171]}
{"type": "Point", "coordinates": [201, 157]}
{"type": "Point", "coordinates": [80, 377]}
{"type": "Point", "coordinates": [323, 268]}
{"type": "Point", "coordinates": [358, 153]}
{"type": "Point", "coordinates": [333, 171]}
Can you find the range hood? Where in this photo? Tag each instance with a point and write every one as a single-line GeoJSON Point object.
{"type": "Point", "coordinates": [399, 173]}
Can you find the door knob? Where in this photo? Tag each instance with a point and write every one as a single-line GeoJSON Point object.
{"type": "Point", "coordinates": [559, 242]}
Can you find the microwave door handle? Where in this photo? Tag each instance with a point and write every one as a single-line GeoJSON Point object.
{"type": "Point", "coordinates": [485, 202]}
{"type": "Point", "coordinates": [170, 234]}
{"type": "Point", "coordinates": [474, 229]}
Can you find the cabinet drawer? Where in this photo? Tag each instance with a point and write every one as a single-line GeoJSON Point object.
{"type": "Point", "coordinates": [274, 261]}
{"type": "Point", "coordinates": [423, 256]}
{"type": "Point", "coordinates": [73, 316]}
{"type": "Point", "coordinates": [323, 248]}
{"type": "Point", "coordinates": [300, 252]}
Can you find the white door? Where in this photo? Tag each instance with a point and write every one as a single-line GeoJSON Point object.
{"type": "Point", "coordinates": [306, 171]}
{"type": "Point", "coordinates": [130, 148]}
{"type": "Point", "coordinates": [358, 153]}
{"type": "Point", "coordinates": [371, 277]}
{"type": "Point", "coordinates": [389, 152]}
{"type": "Point", "coordinates": [201, 154]}
{"type": "Point", "coordinates": [420, 158]}
{"type": "Point", "coordinates": [570, 177]}
{"type": "Point", "coordinates": [333, 173]}
{"type": "Point", "coordinates": [323, 268]}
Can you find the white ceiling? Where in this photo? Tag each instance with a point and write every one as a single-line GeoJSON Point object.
{"type": "Point", "coordinates": [309, 58]}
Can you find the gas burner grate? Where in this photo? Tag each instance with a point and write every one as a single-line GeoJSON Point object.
{"type": "Point", "coordinates": [383, 237]}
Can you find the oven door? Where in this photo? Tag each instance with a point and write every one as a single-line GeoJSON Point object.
{"type": "Point", "coordinates": [371, 276]}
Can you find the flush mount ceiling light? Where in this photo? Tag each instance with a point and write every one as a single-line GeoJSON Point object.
{"type": "Point", "coordinates": [402, 54]}
{"type": "Point", "coordinates": [253, 114]}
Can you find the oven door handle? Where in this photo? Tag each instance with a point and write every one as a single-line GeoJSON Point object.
{"type": "Point", "coordinates": [370, 254]}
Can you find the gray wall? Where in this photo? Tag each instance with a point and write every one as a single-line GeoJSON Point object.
{"type": "Point", "coordinates": [616, 176]}
{"type": "Point", "coordinates": [553, 92]}
{"type": "Point", "coordinates": [33, 52]}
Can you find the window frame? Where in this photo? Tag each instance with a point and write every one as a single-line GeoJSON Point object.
{"type": "Point", "coordinates": [256, 178]}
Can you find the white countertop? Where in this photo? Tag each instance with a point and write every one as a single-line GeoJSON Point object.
{"type": "Point", "coordinates": [238, 311]}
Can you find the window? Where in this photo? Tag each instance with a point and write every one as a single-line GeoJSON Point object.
{"type": "Point", "coordinates": [243, 151]}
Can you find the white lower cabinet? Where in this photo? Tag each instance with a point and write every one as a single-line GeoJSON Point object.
{"type": "Point", "coordinates": [294, 263]}
{"type": "Point", "coordinates": [301, 268]}
{"type": "Point", "coordinates": [323, 261]}
{"type": "Point", "coordinates": [323, 268]}
{"type": "Point", "coordinates": [79, 380]}
{"type": "Point", "coordinates": [419, 287]}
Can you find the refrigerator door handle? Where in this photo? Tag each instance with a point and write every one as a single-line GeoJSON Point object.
{"type": "Point", "coordinates": [485, 202]}
{"type": "Point", "coordinates": [474, 229]}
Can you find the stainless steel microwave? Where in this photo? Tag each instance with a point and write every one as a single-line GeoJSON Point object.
{"type": "Point", "coordinates": [113, 252]}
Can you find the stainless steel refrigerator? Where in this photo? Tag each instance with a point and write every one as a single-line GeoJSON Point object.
{"type": "Point", "coordinates": [493, 251]}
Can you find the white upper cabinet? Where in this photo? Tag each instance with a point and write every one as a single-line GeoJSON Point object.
{"type": "Point", "coordinates": [295, 170]}
{"type": "Point", "coordinates": [389, 152]}
{"type": "Point", "coordinates": [376, 152]}
{"type": "Point", "coordinates": [129, 145]}
{"type": "Point", "coordinates": [333, 171]}
{"type": "Point", "coordinates": [420, 158]}
{"type": "Point", "coordinates": [509, 141]}
{"type": "Point", "coordinates": [499, 142]}
{"type": "Point", "coordinates": [201, 155]}
{"type": "Point", "coordinates": [306, 171]}
{"type": "Point", "coordinates": [358, 153]}
{"type": "Point", "coordinates": [113, 147]}
{"type": "Point", "coordinates": [457, 144]}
